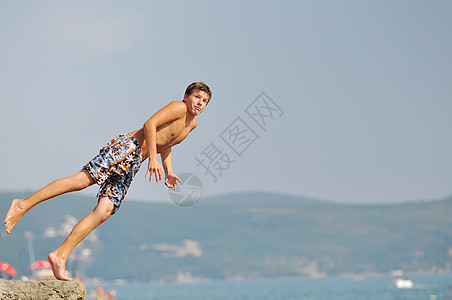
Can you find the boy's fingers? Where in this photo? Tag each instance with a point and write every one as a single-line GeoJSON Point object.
{"type": "Point", "coordinates": [149, 172]}
{"type": "Point", "coordinates": [158, 175]}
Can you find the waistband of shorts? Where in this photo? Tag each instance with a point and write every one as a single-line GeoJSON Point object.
{"type": "Point", "coordinates": [132, 138]}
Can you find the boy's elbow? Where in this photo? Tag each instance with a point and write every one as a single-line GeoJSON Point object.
{"type": "Point", "coordinates": [149, 124]}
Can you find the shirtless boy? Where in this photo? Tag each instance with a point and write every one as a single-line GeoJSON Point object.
{"type": "Point", "coordinates": [116, 165]}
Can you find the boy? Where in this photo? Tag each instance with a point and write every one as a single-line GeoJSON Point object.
{"type": "Point", "coordinates": [116, 165]}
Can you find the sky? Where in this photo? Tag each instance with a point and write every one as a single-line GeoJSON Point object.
{"type": "Point", "coordinates": [347, 101]}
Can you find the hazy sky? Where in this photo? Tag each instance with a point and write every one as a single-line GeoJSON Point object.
{"type": "Point", "coordinates": [361, 92]}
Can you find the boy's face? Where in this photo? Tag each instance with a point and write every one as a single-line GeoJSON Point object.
{"type": "Point", "coordinates": [196, 102]}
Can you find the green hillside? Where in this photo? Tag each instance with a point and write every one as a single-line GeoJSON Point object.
{"type": "Point", "coordinates": [245, 235]}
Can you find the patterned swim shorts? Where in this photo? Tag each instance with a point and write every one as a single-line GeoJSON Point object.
{"type": "Point", "coordinates": [115, 167]}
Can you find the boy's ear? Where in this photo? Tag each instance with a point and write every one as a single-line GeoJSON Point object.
{"type": "Point", "coordinates": [185, 97]}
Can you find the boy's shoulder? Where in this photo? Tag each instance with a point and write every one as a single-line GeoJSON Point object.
{"type": "Point", "coordinates": [177, 105]}
{"type": "Point", "coordinates": [175, 108]}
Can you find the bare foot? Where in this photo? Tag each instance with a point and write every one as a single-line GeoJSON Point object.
{"type": "Point", "coordinates": [14, 214]}
{"type": "Point", "coordinates": [58, 267]}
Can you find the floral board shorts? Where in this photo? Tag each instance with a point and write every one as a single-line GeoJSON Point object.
{"type": "Point", "coordinates": [115, 167]}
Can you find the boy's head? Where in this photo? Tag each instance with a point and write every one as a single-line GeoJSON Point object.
{"type": "Point", "coordinates": [198, 86]}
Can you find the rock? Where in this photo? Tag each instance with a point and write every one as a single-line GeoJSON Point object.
{"type": "Point", "coordinates": [41, 289]}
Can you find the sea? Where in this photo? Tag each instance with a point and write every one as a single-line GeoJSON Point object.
{"type": "Point", "coordinates": [432, 287]}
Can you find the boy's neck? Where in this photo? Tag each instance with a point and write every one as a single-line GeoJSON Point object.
{"type": "Point", "coordinates": [188, 118]}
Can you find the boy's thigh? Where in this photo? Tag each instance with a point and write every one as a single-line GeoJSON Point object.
{"type": "Point", "coordinates": [83, 178]}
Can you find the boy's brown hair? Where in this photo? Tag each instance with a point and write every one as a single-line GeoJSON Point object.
{"type": "Point", "coordinates": [199, 86]}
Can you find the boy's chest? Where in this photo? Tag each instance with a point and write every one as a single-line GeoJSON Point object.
{"type": "Point", "coordinates": [172, 132]}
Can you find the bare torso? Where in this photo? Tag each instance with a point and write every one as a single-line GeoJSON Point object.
{"type": "Point", "coordinates": [168, 135]}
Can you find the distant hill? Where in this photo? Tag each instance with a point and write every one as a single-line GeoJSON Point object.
{"type": "Point", "coordinates": [243, 235]}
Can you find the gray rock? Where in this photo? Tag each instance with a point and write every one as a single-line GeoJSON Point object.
{"type": "Point", "coordinates": [41, 289]}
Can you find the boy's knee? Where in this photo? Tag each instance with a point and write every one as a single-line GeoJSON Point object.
{"type": "Point", "coordinates": [104, 209]}
{"type": "Point", "coordinates": [102, 215]}
{"type": "Point", "coordinates": [105, 215]}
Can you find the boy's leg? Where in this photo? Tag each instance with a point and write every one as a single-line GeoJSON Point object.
{"type": "Point", "coordinates": [58, 257]}
{"type": "Point", "coordinates": [19, 207]}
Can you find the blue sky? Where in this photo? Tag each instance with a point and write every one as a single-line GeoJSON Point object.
{"type": "Point", "coordinates": [365, 89]}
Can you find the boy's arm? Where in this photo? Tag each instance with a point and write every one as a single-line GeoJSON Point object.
{"type": "Point", "coordinates": [170, 179]}
{"type": "Point", "coordinates": [169, 113]}
{"type": "Point", "coordinates": [165, 155]}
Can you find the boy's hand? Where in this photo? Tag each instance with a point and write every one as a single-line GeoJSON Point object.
{"type": "Point", "coordinates": [171, 181]}
{"type": "Point", "coordinates": [154, 167]}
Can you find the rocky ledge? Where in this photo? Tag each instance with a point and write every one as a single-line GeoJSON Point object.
{"type": "Point", "coordinates": [41, 289]}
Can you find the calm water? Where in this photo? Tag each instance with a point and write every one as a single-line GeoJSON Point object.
{"type": "Point", "coordinates": [425, 287]}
